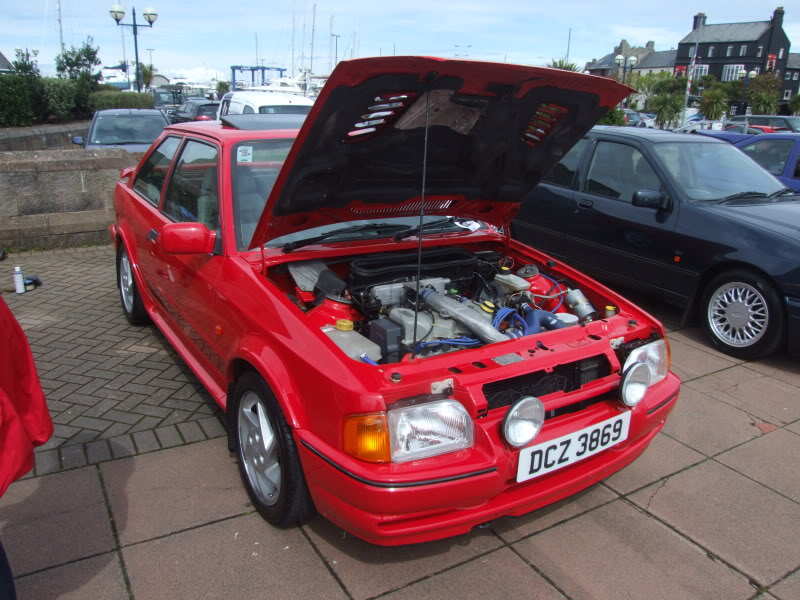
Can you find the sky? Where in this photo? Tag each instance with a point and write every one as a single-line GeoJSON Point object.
{"type": "Point", "coordinates": [201, 39]}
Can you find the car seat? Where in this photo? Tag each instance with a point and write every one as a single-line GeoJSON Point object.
{"type": "Point", "coordinates": [208, 201]}
{"type": "Point", "coordinates": [250, 203]}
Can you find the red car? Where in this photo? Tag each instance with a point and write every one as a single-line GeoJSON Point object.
{"type": "Point", "coordinates": [349, 293]}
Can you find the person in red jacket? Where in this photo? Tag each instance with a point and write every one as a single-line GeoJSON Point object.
{"type": "Point", "coordinates": [24, 419]}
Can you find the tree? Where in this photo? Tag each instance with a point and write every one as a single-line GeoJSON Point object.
{"type": "Point", "coordinates": [223, 87]}
{"type": "Point", "coordinates": [646, 83]}
{"type": "Point", "coordinates": [713, 103]}
{"type": "Point", "coordinates": [25, 65]}
{"type": "Point", "coordinates": [667, 107]}
{"type": "Point", "coordinates": [764, 103]}
{"type": "Point", "coordinates": [794, 104]}
{"type": "Point", "coordinates": [759, 91]}
{"type": "Point", "coordinates": [564, 65]}
{"type": "Point", "coordinates": [148, 72]}
{"type": "Point", "coordinates": [78, 64]}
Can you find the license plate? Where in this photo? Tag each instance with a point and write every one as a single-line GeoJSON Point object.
{"type": "Point", "coordinates": [573, 447]}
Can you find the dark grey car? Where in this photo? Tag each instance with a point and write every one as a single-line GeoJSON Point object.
{"type": "Point", "coordinates": [133, 129]}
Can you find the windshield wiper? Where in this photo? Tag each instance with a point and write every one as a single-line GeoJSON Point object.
{"type": "Point", "coordinates": [742, 195]}
{"type": "Point", "coordinates": [377, 228]}
{"type": "Point", "coordinates": [783, 192]}
{"type": "Point", "coordinates": [418, 228]}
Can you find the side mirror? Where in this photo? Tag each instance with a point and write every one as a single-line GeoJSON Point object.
{"type": "Point", "coordinates": [78, 139]}
{"type": "Point", "coordinates": [126, 173]}
{"type": "Point", "coordinates": [187, 238]}
{"type": "Point", "coordinates": [651, 199]}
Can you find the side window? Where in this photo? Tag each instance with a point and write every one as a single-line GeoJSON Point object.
{"type": "Point", "coordinates": [192, 194]}
{"type": "Point", "coordinates": [618, 171]}
{"type": "Point", "coordinates": [564, 172]}
{"type": "Point", "coordinates": [247, 109]}
{"type": "Point", "coordinates": [150, 180]}
{"type": "Point", "coordinates": [770, 154]}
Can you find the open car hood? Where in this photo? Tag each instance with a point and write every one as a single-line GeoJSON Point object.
{"type": "Point", "coordinates": [494, 130]}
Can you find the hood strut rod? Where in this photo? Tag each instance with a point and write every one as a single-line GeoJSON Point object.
{"type": "Point", "coordinates": [421, 218]}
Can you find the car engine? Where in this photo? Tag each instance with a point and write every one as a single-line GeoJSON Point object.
{"type": "Point", "coordinates": [382, 308]}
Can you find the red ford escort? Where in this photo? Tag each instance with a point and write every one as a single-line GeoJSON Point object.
{"type": "Point", "coordinates": [345, 287]}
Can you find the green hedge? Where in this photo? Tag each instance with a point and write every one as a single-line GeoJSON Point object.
{"type": "Point", "coordinates": [15, 100]}
{"type": "Point", "coordinates": [60, 96]}
{"type": "Point", "coordinates": [103, 100]}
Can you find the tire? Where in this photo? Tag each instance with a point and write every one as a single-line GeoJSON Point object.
{"type": "Point", "coordinates": [743, 314]}
{"type": "Point", "coordinates": [129, 297]}
{"type": "Point", "coordinates": [268, 460]}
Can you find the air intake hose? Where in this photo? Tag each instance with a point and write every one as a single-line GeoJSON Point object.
{"type": "Point", "coordinates": [452, 308]}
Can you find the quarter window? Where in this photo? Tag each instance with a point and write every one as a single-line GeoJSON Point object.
{"type": "Point", "coordinates": [770, 154]}
{"type": "Point", "coordinates": [153, 173]}
{"type": "Point", "coordinates": [564, 171]}
{"type": "Point", "coordinates": [192, 194]}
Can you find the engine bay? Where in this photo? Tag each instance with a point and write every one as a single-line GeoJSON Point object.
{"type": "Point", "coordinates": [384, 308]}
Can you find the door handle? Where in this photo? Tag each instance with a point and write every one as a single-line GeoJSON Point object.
{"type": "Point", "coordinates": [585, 203]}
{"type": "Point", "coordinates": [152, 236]}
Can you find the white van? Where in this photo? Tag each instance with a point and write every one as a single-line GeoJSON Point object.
{"type": "Point", "coordinates": [237, 103]}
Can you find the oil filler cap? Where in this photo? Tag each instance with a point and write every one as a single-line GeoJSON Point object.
{"type": "Point", "coordinates": [344, 324]}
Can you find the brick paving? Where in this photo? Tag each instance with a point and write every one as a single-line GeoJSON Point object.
{"type": "Point", "coordinates": [113, 390]}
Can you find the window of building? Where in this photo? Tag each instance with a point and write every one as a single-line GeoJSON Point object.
{"type": "Point", "coordinates": [795, 76]}
{"type": "Point", "coordinates": [731, 72]}
{"type": "Point", "coordinates": [729, 51]}
{"type": "Point", "coordinates": [743, 50]}
{"type": "Point", "coordinates": [788, 75]}
{"type": "Point", "coordinates": [710, 51]}
{"type": "Point", "coordinates": [699, 71]}
{"type": "Point", "coordinates": [787, 94]}
{"type": "Point", "coordinates": [691, 51]}
{"type": "Point", "coordinates": [780, 53]}
{"type": "Point", "coordinates": [760, 50]}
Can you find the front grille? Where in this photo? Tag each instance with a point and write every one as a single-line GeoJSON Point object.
{"type": "Point", "coordinates": [563, 378]}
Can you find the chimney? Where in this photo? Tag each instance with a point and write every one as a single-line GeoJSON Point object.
{"type": "Point", "coordinates": [777, 17]}
{"type": "Point", "coordinates": [699, 19]}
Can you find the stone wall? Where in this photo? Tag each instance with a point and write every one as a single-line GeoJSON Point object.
{"type": "Point", "coordinates": [58, 198]}
{"type": "Point", "coordinates": [42, 137]}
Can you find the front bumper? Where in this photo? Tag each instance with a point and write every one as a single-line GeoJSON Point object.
{"type": "Point", "coordinates": [388, 511]}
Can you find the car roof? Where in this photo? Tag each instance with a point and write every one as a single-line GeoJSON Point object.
{"type": "Point", "coordinates": [129, 111]}
{"type": "Point", "coordinates": [647, 134]}
{"type": "Point", "coordinates": [267, 97]}
{"type": "Point", "coordinates": [198, 100]}
{"type": "Point", "coordinates": [788, 135]}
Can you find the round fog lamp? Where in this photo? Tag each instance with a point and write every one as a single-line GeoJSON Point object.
{"type": "Point", "coordinates": [635, 382]}
{"type": "Point", "coordinates": [523, 421]}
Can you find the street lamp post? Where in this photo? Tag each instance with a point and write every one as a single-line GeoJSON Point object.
{"type": "Point", "coordinates": [745, 78]}
{"type": "Point", "coordinates": [150, 15]}
{"type": "Point", "coordinates": [625, 63]}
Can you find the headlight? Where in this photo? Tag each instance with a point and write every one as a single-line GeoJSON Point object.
{"type": "Point", "coordinates": [655, 355]}
{"type": "Point", "coordinates": [429, 429]}
{"type": "Point", "coordinates": [524, 421]}
{"type": "Point", "coordinates": [635, 381]}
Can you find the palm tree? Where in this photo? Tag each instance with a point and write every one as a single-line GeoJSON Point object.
{"type": "Point", "coordinates": [713, 104]}
{"type": "Point", "coordinates": [764, 103]}
{"type": "Point", "coordinates": [794, 104]}
{"type": "Point", "coordinates": [564, 65]}
{"type": "Point", "coordinates": [148, 72]}
{"type": "Point", "coordinates": [667, 107]}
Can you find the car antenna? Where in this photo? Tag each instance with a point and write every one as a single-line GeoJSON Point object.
{"type": "Point", "coordinates": [429, 76]}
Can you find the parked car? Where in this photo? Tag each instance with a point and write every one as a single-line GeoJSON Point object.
{"type": "Point", "coordinates": [778, 122]}
{"type": "Point", "coordinates": [264, 102]}
{"type": "Point", "coordinates": [751, 129]}
{"type": "Point", "coordinates": [168, 99]}
{"type": "Point", "coordinates": [685, 217]}
{"type": "Point", "coordinates": [386, 354]}
{"type": "Point", "coordinates": [778, 153]}
{"type": "Point", "coordinates": [633, 118]}
{"type": "Point", "coordinates": [196, 109]}
{"type": "Point", "coordinates": [133, 129]}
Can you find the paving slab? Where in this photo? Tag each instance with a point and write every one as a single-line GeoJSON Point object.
{"type": "Point", "coordinates": [765, 398]}
{"type": "Point", "coordinates": [500, 574]}
{"type": "Point", "coordinates": [662, 458]}
{"type": "Point", "coordinates": [795, 427]}
{"type": "Point", "coordinates": [616, 551]}
{"type": "Point", "coordinates": [511, 529]}
{"type": "Point", "coordinates": [788, 589]}
{"type": "Point", "coordinates": [164, 492]}
{"type": "Point", "coordinates": [690, 362]}
{"type": "Point", "coordinates": [766, 460]}
{"type": "Point", "coordinates": [709, 425]}
{"type": "Point", "coordinates": [96, 578]}
{"type": "Point", "coordinates": [367, 570]}
{"type": "Point", "coordinates": [741, 521]}
{"type": "Point", "coordinates": [54, 519]}
{"type": "Point", "coordinates": [237, 558]}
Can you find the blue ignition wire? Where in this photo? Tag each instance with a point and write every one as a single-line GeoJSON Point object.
{"type": "Point", "coordinates": [560, 289]}
{"type": "Point", "coordinates": [368, 360]}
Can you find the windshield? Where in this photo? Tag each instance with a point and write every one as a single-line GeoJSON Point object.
{"type": "Point", "coordinates": [126, 129]}
{"type": "Point", "coordinates": [708, 171]}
